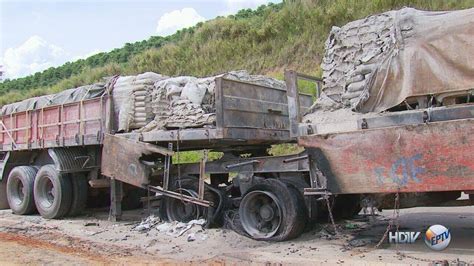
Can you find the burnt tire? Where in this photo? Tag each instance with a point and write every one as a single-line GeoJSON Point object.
{"type": "Point", "coordinates": [273, 211]}
{"type": "Point", "coordinates": [20, 185]}
{"type": "Point", "coordinates": [79, 194]}
{"type": "Point", "coordinates": [311, 203]}
{"type": "Point", "coordinates": [52, 193]}
{"type": "Point", "coordinates": [172, 209]}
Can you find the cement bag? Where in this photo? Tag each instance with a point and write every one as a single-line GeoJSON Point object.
{"type": "Point", "coordinates": [376, 63]}
{"type": "Point", "coordinates": [434, 54]}
{"type": "Point", "coordinates": [194, 92]}
{"type": "Point", "coordinates": [121, 95]}
{"type": "Point", "coordinates": [135, 110]}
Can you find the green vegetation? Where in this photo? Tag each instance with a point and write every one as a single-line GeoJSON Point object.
{"type": "Point", "coordinates": [265, 40]}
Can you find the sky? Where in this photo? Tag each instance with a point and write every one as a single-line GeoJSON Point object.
{"type": "Point", "coordinates": [38, 34]}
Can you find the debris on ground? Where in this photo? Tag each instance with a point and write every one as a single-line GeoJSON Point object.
{"type": "Point", "coordinates": [147, 224]}
{"type": "Point", "coordinates": [193, 228]}
{"type": "Point", "coordinates": [351, 226]}
{"type": "Point", "coordinates": [361, 242]}
{"type": "Point", "coordinates": [91, 224]}
{"type": "Point", "coordinates": [177, 229]}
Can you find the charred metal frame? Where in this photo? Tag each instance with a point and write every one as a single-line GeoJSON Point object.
{"type": "Point", "coordinates": [294, 97]}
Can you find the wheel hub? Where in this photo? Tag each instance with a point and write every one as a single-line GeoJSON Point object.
{"type": "Point", "coordinates": [266, 213]}
{"type": "Point", "coordinates": [21, 192]}
{"type": "Point", "coordinates": [50, 191]}
{"type": "Point", "coordinates": [261, 214]}
{"type": "Point", "coordinates": [178, 210]}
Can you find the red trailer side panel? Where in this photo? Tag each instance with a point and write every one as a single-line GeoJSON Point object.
{"type": "Point", "coordinates": [427, 157]}
{"type": "Point", "coordinates": [73, 124]}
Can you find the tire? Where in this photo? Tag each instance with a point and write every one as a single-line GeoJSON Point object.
{"type": "Point", "coordinates": [20, 185]}
{"type": "Point", "coordinates": [310, 202]}
{"type": "Point", "coordinates": [172, 209]}
{"type": "Point", "coordinates": [3, 194]}
{"type": "Point", "coordinates": [79, 194]}
{"type": "Point", "coordinates": [53, 193]}
{"type": "Point", "coordinates": [282, 207]}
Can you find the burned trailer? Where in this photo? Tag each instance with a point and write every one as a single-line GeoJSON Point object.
{"type": "Point", "coordinates": [396, 110]}
{"type": "Point", "coordinates": [428, 151]}
{"type": "Point", "coordinates": [249, 118]}
{"type": "Point", "coordinates": [58, 149]}
{"type": "Point", "coordinates": [418, 157]}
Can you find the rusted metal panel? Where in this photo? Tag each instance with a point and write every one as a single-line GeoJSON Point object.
{"type": "Point", "coordinates": [122, 159]}
{"type": "Point", "coordinates": [395, 119]}
{"type": "Point", "coordinates": [418, 158]}
{"type": "Point", "coordinates": [219, 104]}
{"type": "Point", "coordinates": [298, 103]}
{"type": "Point", "coordinates": [293, 102]}
{"type": "Point", "coordinates": [246, 105]}
{"type": "Point", "coordinates": [253, 106]}
{"type": "Point", "coordinates": [175, 135]}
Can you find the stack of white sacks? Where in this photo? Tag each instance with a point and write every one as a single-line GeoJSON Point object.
{"type": "Point", "coordinates": [152, 101]}
{"type": "Point", "coordinates": [353, 52]}
{"type": "Point", "coordinates": [132, 100]}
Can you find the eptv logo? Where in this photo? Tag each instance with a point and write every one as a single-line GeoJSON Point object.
{"type": "Point", "coordinates": [402, 237]}
{"type": "Point", "coordinates": [437, 237]}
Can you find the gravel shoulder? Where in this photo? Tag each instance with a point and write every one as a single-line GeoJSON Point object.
{"type": "Point", "coordinates": [92, 239]}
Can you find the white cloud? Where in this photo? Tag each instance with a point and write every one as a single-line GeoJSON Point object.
{"type": "Point", "coordinates": [34, 55]}
{"type": "Point", "coordinates": [232, 6]}
{"type": "Point", "coordinates": [175, 20]}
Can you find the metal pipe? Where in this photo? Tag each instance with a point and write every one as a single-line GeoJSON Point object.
{"type": "Point", "coordinates": [294, 159]}
{"type": "Point", "coordinates": [180, 196]}
{"type": "Point", "coordinates": [308, 77]}
{"type": "Point", "coordinates": [241, 164]}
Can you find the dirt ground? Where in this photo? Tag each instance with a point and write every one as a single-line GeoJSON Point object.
{"type": "Point", "coordinates": [92, 239]}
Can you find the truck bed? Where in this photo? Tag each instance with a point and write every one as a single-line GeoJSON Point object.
{"type": "Point", "coordinates": [246, 115]}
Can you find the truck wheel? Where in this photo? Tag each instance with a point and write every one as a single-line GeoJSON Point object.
{"type": "Point", "coordinates": [272, 211]}
{"type": "Point", "coordinates": [172, 209]}
{"type": "Point", "coordinates": [3, 195]}
{"type": "Point", "coordinates": [20, 190]}
{"type": "Point", "coordinates": [79, 194]}
{"type": "Point", "coordinates": [53, 193]}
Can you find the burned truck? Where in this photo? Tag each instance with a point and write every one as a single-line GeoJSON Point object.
{"type": "Point", "coordinates": [395, 118]}
{"type": "Point", "coordinates": [129, 132]}
{"type": "Point", "coordinates": [392, 116]}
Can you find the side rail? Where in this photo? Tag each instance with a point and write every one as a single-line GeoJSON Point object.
{"type": "Point", "coordinates": [296, 105]}
{"type": "Point", "coordinates": [247, 105]}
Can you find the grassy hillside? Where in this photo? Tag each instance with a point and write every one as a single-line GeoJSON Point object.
{"type": "Point", "coordinates": [265, 41]}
